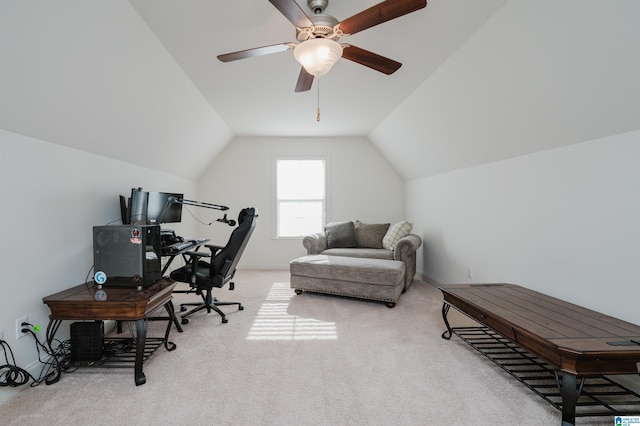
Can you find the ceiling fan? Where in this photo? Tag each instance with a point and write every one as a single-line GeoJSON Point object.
{"type": "Point", "coordinates": [318, 49]}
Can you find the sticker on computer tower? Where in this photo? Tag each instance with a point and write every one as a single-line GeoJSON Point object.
{"type": "Point", "coordinates": [100, 278]}
{"type": "Point", "coordinates": [135, 236]}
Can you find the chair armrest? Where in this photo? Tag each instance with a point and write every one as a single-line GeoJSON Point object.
{"type": "Point", "coordinates": [406, 247]}
{"type": "Point", "coordinates": [214, 248]}
{"type": "Point", "coordinates": [315, 243]}
{"type": "Point", "coordinates": [197, 254]}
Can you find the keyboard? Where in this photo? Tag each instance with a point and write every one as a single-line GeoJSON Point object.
{"type": "Point", "coordinates": [183, 245]}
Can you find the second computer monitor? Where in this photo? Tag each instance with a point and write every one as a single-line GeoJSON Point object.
{"type": "Point", "coordinates": [162, 207]}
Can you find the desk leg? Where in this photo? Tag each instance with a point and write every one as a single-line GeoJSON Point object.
{"type": "Point", "coordinates": [141, 337]}
{"type": "Point", "coordinates": [569, 399]}
{"type": "Point", "coordinates": [166, 266]}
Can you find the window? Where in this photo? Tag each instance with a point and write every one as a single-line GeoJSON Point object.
{"type": "Point", "coordinates": [300, 196]}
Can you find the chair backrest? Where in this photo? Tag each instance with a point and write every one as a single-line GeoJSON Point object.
{"type": "Point", "coordinates": [223, 265]}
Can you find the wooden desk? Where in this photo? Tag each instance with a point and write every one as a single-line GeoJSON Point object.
{"type": "Point", "coordinates": [122, 304]}
{"type": "Point", "coordinates": [575, 341]}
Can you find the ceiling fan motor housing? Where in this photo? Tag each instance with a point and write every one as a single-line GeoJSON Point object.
{"type": "Point", "coordinates": [323, 26]}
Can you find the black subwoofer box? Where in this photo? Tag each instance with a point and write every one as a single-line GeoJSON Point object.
{"type": "Point", "coordinates": [87, 340]}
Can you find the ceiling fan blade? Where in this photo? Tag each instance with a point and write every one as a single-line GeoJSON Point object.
{"type": "Point", "coordinates": [381, 12]}
{"type": "Point", "coordinates": [370, 59]}
{"type": "Point", "coordinates": [293, 12]}
{"type": "Point", "coordinates": [256, 51]}
{"type": "Point", "coordinates": [305, 80]}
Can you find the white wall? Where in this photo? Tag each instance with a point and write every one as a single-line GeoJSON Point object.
{"type": "Point", "coordinates": [562, 221]}
{"type": "Point", "coordinates": [361, 185]}
{"type": "Point", "coordinates": [52, 196]}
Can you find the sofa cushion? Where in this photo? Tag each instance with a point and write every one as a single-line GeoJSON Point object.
{"type": "Point", "coordinates": [395, 233]}
{"type": "Point", "coordinates": [341, 234]}
{"type": "Point", "coordinates": [369, 235]}
{"type": "Point", "coordinates": [376, 272]}
{"type": "Point", "coordinates": [360, 252]}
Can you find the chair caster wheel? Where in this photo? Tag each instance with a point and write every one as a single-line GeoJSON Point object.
{"type": "Point", "coordinates": [298, 291]}
{"type": "Point", "coordinates": [390, 304]}
{"type": "Point", "coordinates": [225, 320]}
{"type": "Point", "coordinates": [184, 321]}
{"type": "Point", "coordinates": [183, 308]}
{"type": "Point", "coordinates": [241, 308]}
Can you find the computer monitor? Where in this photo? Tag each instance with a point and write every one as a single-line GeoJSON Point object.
{"type": "Point", "coordinates": [138, 207]}
{"type": "Point", "coordinates": [162, 208]}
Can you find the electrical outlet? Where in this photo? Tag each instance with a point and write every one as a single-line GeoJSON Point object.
{"type": "Point", "coordinates": [19, 327]}
{"type": "Point", "coordinates": [469, 272]}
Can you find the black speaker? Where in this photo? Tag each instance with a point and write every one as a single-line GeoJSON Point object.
{"type": "Point", "coordinates": [87, 340]}
{"type": "Point", "coordinates": [128, 255]}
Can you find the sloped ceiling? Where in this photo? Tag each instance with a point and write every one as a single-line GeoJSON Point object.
{"type": "Point", "coordinates": [92, 76]}
{"type": "Point", "coordinates": [256, 96]}
{"type": "Point", "coordinates": [539, 75]}
{"type": "Point", "coordinates": [482, 80]}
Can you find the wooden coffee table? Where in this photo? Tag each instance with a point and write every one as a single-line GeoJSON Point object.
{"type": "Point", "coordinates": [88, 302]}
{"type": "Point", "coordinates": [576, 341]}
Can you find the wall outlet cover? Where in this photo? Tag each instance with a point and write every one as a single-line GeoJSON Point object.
{"type": "Point", "coordinates": [19, 327]}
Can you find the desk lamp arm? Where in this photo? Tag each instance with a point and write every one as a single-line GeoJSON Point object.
{"type": "Point", "coordinates": [197, 203]}
{"type": "Point", "coordinates": [176, 200]}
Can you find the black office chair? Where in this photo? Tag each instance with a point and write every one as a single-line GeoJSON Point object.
{"type": "Point", "coordinates": [203, 276]}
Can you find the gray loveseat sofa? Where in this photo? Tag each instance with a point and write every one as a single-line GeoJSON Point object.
{"type": "Point", "coordinates": [372, 241]}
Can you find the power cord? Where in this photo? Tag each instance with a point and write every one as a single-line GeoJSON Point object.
{"type": "Point", "coordinates": [10, 374]}
{"type": "Point", "coordinates": [55, 360]}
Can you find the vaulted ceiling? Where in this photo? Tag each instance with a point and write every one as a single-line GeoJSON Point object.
{"type": "Point", "coordinates": [256, 96]}
{"type": "Point", "coordinates": [481, 80]}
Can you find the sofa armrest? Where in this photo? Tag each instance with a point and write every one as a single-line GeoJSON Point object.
{"type": "Point", "coordinates": [406, 245]}
{"type": "Point", "coordinates": [405, 251]}
{"type": "Point", "coordinates": [315, 243]}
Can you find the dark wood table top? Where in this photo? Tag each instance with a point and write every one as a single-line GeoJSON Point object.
{"type": "Point", "coordinates": [121, 303]}
{"type": "Point", "coordinates": [574, 339]}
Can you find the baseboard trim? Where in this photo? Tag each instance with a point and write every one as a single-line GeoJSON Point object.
{"type": "Point", "coordinates": [426, 278]}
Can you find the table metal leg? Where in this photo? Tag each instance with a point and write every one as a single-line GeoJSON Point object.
{"type": "Point", "coordinates": [569, 399]}
{"type": "Point", "coordinates": [141, 337]}
{"type": "Point", "coordinates": [172, 319]}
{"type": "Point", "coordinates": [445, 310]}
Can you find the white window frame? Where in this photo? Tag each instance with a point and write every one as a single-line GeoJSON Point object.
{"type": "Point", "coordinates": [276, 200]}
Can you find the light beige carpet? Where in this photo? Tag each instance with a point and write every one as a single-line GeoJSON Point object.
{"type": "Point", "coordinates": [298, 360]}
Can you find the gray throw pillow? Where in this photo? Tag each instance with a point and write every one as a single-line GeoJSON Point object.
{"type": "Point", "coordinates": [341, 234]}
{"type": "Point", "coordinates": [370, 235]}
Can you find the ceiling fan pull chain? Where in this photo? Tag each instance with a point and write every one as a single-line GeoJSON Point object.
{"type": "Point", "coordinates": [318, 111]}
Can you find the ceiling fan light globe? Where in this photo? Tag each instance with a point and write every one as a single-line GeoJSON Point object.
{"type": "Point", "coordinates": [317, 55]}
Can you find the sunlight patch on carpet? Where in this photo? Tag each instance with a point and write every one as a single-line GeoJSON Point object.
{"type": "Point", "coordinates": [273, 322]}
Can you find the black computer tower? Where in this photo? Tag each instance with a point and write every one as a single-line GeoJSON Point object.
{"type": "Point", "coordinates": [128, 255]}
